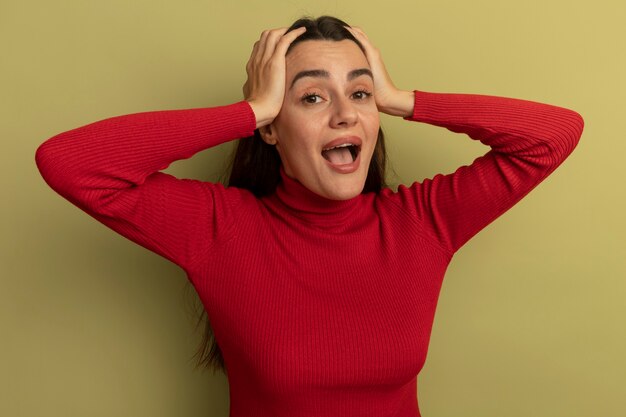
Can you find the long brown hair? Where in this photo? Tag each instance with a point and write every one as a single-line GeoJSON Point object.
{"type": "Point", "coordinates": [255, 166]}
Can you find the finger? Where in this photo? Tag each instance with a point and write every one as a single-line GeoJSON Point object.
{"type": "Point", "coordinates": [358, 33]}
{"type": "Point", "coordinates": [370, 49]}
{"type": "Point", "coordinates": [357, 29]}
{"type": "Point", "coordinates": [272, 39]}
{"type": "Point", "coordinates": [253, 54]}
{"type": "Point", "coordinates": [262, 45]}
{"type": "Point", "coordinates": [287, 39]}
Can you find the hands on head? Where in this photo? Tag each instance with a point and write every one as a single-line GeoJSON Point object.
{"type": "Point", "coordinates": [264, 88]}
{"type": "Point", "coordinates": [389, 99]}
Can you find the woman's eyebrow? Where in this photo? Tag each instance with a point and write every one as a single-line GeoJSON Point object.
{"type": "Point", "coordinates": [358, 72]}
{"type": "Point", "coordinates": [319, 73]}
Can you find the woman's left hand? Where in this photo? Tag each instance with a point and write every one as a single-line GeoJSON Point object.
{"type": "Point", "coordinates": [389, 99]}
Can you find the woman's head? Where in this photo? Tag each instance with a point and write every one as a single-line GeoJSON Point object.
{"type": "Point", "coordinates": [326, 99]}
{"type": "Point", "coordinates": [327, 127]}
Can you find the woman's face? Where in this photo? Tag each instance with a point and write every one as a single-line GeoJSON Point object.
{"type": "Point", "coordinates": [328, 102]}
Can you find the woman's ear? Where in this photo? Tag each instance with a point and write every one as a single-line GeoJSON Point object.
{"type": "Point", "coordinates": [268, 134]}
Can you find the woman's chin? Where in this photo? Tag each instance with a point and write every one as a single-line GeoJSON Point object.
{"type": "Point", "coordinates": [344, 190]}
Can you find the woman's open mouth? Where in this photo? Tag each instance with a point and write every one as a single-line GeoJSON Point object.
{"type": "Point", "coordinates": [342, 154]}
{"type": "Point", "coordinates": [343, 158]}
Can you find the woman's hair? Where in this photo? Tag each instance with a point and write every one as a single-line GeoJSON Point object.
{"type": "Point", "coordinates": [255, 166]}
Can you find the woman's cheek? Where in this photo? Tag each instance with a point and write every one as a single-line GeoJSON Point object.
{"type": "Point", "coordinates": [372, 120]}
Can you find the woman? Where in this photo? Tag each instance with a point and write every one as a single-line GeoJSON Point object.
{"type": "Point", "coordinates": [319, 282]}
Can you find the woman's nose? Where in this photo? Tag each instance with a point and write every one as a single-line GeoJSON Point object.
{"type": "Point", "coordinates": [344, 113]}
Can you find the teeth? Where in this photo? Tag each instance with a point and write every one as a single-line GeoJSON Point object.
{"type": "Point", "coordinates": [339, 146]}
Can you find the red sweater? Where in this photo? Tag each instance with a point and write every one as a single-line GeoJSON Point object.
{"type": "Point", "coordinates": [321, 308]}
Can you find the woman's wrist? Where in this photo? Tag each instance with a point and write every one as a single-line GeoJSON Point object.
{"type": "Point", "coordinates": [263, 115]}
{"type": "Point", "coordinates": [400, 104]}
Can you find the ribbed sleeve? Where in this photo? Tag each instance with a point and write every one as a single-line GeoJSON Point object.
{"type": "Point", "coordinates": [528, 141]}
{"type": "Point", "coordinates": [110, 168]}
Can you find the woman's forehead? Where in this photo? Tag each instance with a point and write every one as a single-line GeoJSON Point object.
{"type": "Point", "coordinates": [327, 55]}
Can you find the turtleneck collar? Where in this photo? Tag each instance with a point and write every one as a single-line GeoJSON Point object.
{"type": "Point", "coordinates": [311, 207]}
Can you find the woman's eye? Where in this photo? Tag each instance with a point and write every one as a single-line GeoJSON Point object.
{"type": "Point", "coordinates": [311, 98]}
{"type": "Point", "coordinates": [361, 94]}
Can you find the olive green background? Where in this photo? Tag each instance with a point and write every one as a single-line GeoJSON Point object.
{"type": "Point", "coordinates": [531, 316]}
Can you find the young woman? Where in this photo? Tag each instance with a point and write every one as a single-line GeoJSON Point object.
{"type": "Point", "coordinates": [320, 283]}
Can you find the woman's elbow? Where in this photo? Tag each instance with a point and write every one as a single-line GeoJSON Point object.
{"type": "Point", "coordinates": [54, 165]}
{"type": "Point", "coordinates": [578, 125]}
{"type": "Point", "coordinates": [45, 161]}
{"type": "Point", "coordinates": [567, 134]}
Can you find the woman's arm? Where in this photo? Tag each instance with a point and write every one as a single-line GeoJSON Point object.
{"type": "Point", "coordinates": [528, 141]}
{"type": "Point", "coordinates": [110, 168]}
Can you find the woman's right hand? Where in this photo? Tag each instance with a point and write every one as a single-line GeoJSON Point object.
{"type": "Point", "coordinates": [264, 89]}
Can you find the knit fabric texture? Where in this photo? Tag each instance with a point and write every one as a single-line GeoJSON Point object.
{"type": "Point", "coordinates": [321, 308]}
